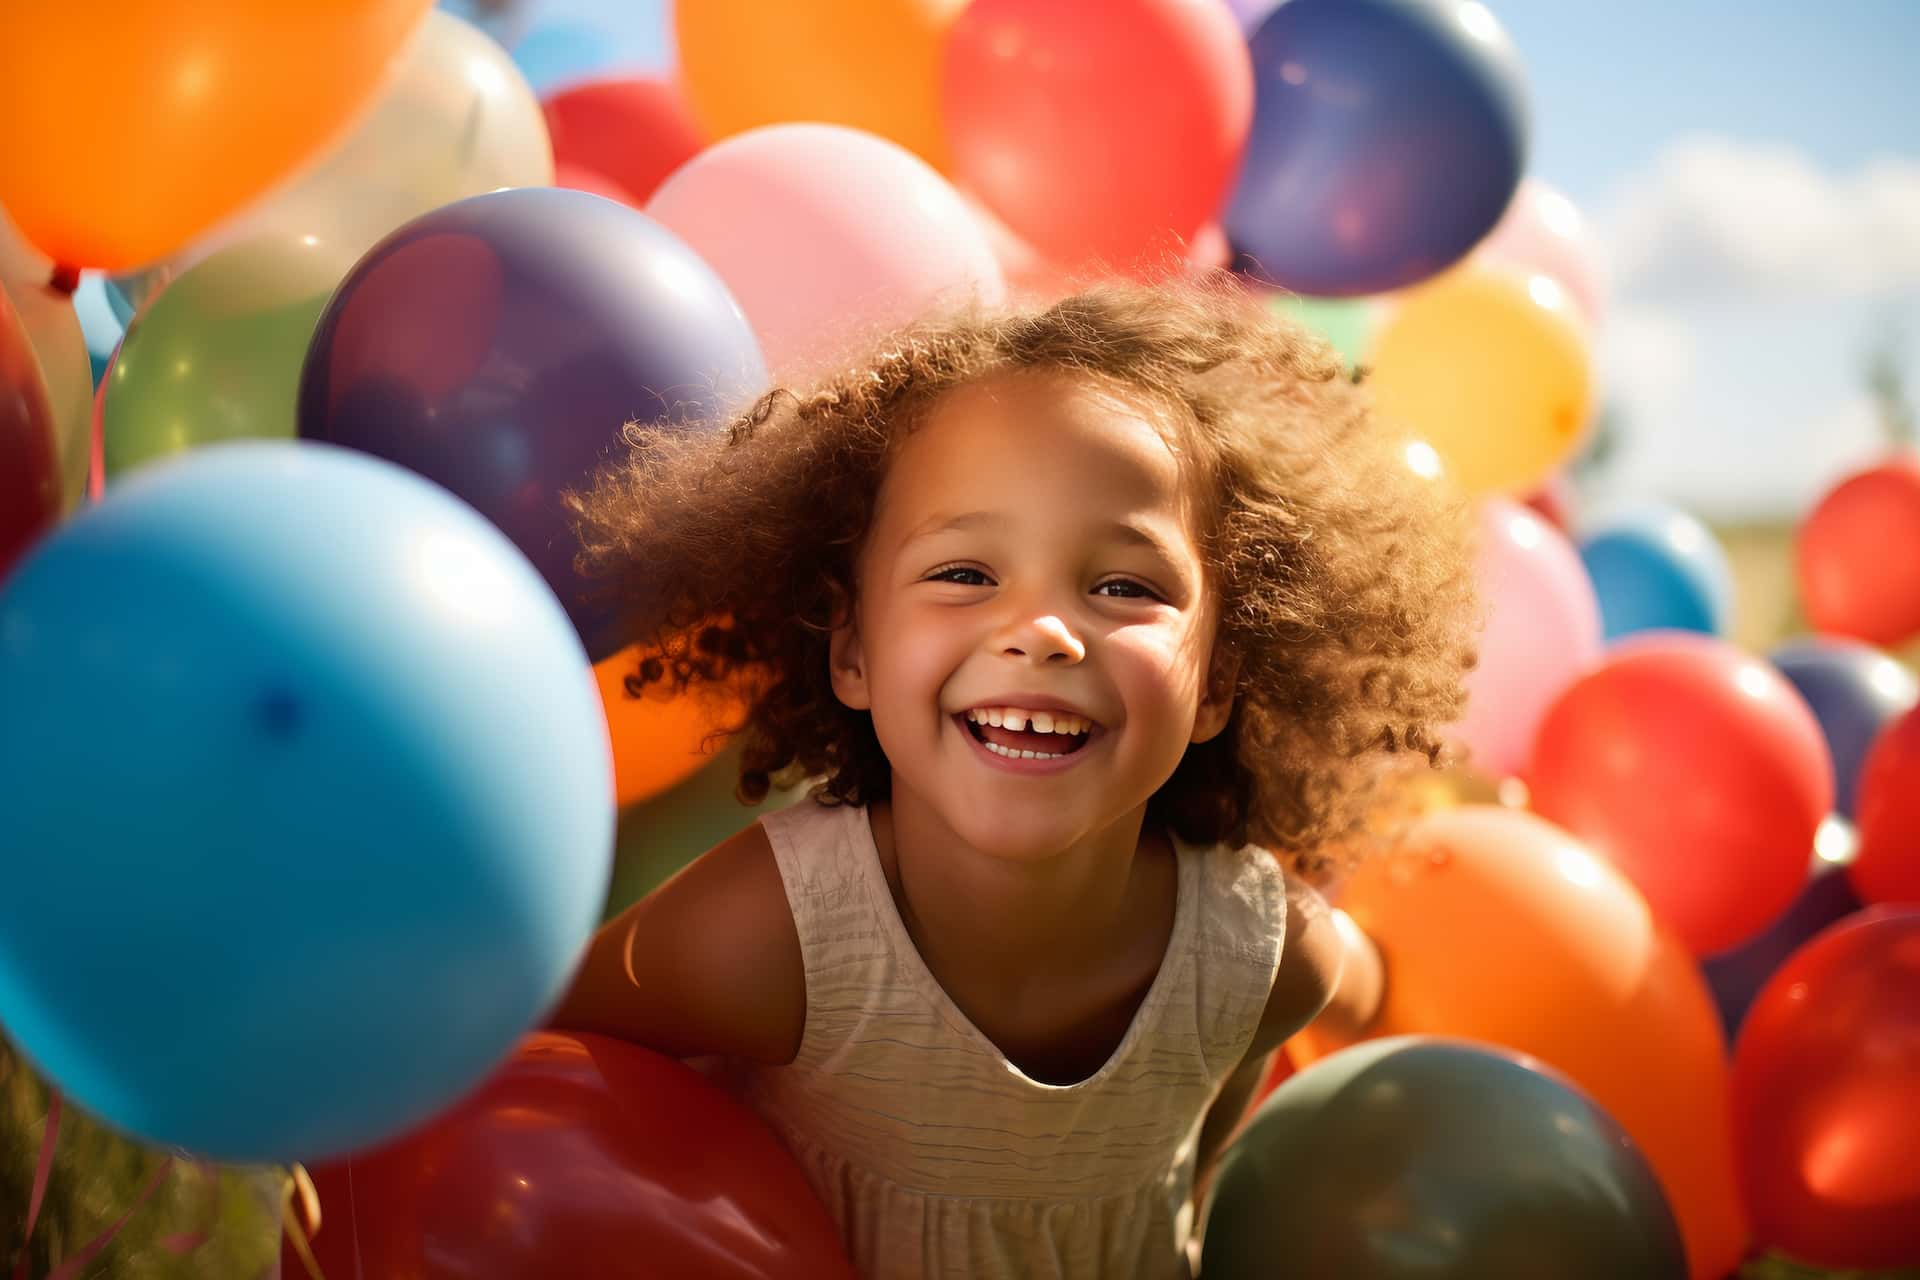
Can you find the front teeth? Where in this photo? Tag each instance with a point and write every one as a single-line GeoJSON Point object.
{"type": "Point", "coordinates": [1040, 721]}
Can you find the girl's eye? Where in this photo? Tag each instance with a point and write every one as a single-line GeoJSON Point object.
{"type": "Point", "coordinates": [961, 575]}
{"type": "Point", "coordinates": [1130, 590]}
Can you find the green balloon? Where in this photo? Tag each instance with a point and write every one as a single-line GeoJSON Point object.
{"type": "Point", "coordinates": [663, 833]}
{"type": "Point", "coordinates": [1437, 1159]}
{"type": "Point", "coordinates": [1346, 323]}
{"type": "Point", "coordinates": [216, 354]}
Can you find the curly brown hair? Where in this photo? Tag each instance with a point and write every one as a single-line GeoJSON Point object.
{"type": "Point", "coordinates": [1343, 576]}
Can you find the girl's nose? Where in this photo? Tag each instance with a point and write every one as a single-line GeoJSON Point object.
{"type": "Point", "coordinates": [1045, 638]}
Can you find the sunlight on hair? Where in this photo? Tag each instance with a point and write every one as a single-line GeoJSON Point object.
{"type": "Point", "coordinates": [1424, 460]}
{"type": "Point", "coordinates": [461, 577]}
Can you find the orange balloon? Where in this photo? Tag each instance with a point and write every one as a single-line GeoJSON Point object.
{"type": "Point", "coordinates": [1498, 926]}
{"type": "Point", "coordinates": [1492, 370]}
{"type": "Point", "coordinates": [869, 64]}
{"type": "Point", "coordinates": [124, 136]}
{"type": "Point", "coordinates": [660, 738]}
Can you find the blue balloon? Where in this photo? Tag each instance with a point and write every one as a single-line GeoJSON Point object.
{"type": "Point", "coordinates": [1657, 568]}
{"type": "Point", "coordinates": [555, 55]}
{"type": "Point", "coordinates": [1736, 976]}
{"type": "Point", "coordinates": [1854, 689]}
{"type": "Point", "coordinates": [307, 799]}
{"type": "Point", "coordinates": [101, 323]}
{"type": "Point", "coordinates": [1388, 137]}
{"type": "Point", "coordinates": [498, 345]}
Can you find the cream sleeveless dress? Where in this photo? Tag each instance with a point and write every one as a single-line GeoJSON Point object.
{"type": "Point", "coordinates": [935, 1154]}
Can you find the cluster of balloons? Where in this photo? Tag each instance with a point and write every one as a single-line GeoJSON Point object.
{"type": "Point", "coordinates": [410, 300]}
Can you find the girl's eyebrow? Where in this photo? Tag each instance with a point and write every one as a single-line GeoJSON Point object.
{"type": "Point", "coordinates": [1121, 531]}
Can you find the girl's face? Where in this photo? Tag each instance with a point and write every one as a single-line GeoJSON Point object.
{"type": "Point", "coordinates": [1032, 551]}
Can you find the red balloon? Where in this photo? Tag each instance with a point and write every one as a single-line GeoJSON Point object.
{"type": "Point", "coordinates": [575, 178]}
{"type": "Point", "coordinates": [1103, 130]}
{"type": "Point", "coordinates": [1859, 555]}
{"type": "Point", "coordinates": [583, 1156]}
{"type": "Point", "coordinates": [1699, 771]}
{"type": "Point", "coordinates": [634, 132]}
{"type": "Point", "coordinates": [29, 462]}
{"type": "Point", "coordinates": [1825, 1082]}
{"type": "Point", "coordinates": [1887, 866]}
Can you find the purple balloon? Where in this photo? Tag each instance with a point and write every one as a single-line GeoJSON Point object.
{"type": "Point", "coordinates": [497, 346]}
{"type": "Point", "coordinates": [1736, 976]}
{"type": "Point", "coordinates": [1388, 137]}
{"type": "Point", "coordinates": [1854, 690]}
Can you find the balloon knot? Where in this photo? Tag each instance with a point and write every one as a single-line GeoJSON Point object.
{"type": "Point", "coordinates": [65, 278]}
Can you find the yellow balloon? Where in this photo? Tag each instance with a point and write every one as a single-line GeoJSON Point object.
{"type": "Point", "coordinates": [869, 64]}
{"type": "Point", "coordinates": [1492, 370]}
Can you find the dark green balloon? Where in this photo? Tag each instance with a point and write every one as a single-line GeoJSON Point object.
{"type": "Point", "coordinates": [1417, 1158]}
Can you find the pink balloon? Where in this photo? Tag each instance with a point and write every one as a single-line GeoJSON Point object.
{"type": "Point", "coordinates": [1543, 232]}
{"type": "Point", "coordinates": [1542, 633]}
{"type": "Point", "coordinates": [826, 235]}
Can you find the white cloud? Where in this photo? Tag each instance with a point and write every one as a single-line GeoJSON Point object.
{"type": "Point", "coordinates": [1723, 218]}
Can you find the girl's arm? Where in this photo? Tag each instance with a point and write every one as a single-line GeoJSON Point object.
{"type": "Point", "coordinates": [1331, 975]}
{"type": "Point", "coordinates": [707, 963]}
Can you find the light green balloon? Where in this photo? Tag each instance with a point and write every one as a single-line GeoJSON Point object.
{"type": "Point", "coordinates": [216, 355]}
{"type": "Point", "coordinates": [1347, 323]}
{"type": "Point", "coordinates": [663, 833]}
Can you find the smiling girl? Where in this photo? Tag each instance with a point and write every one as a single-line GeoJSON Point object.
{"type": "Point", "coordinates": [1098, 627]}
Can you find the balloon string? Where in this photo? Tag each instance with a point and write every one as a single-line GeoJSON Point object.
{"type": "Point", "coordinates": [65, 278]}
{"type": "Point", "coordinates": [300, 1189]}
{"type": "Point", "coordinates": [42, 1173]}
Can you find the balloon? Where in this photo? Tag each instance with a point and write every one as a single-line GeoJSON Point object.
{"type": "Point", "coordinates": [1388, 137]}
{"type": "Point", "coordinates": [1854, 691]}
{"type": "Point", "coordinates": [1887, 867]}
{"type": "Point", "coordinates": [1491, 370]}
{"type": "Point", "coordinates": [1347, 323]}
{"type": "Point", "coordinates": [30, 482]}
{"type": "Point", "coordinates": [1542, 632]}
{"type": "Point", "coordinates": [1858, 555]}
{"type": "Point", "coordinates": [1699, 772]}
{"type": "Point", "coordinates": [1657, 568]}
{"type": "Point", "coordinates": [1555, 501]}
{"type": "Point", "coordinates": [1103, 130]}
{"type": "Point", "coordinates": [574, 178]}
{"type": "Point", "coordinates": [873, 65]}
{"type": "Point", "coordinates": [498, 345]}
{"type": "Point", "coordinates": [454, 120]}
{"type": "Point", "coordinates": [51, 327]}
{"type": "Point", "coordinates": [1542, 233]}
{"type": "Point", "coordinates": [659, 738]}
{"type": "Point", "coordinates": [319, 796]}
{"type": "Point", "coordinates": [634, 132]}
{"type": "Point", "coordinates": [1441, 1160]}
{"type": "Point", "coordinates": [824, 234]}
{"type": "Point", "coordinates": [217, 355]}
{"type": "Point", "coordinates": [1498, 926]}
{"type": "Point", "coordinates": [197, 109]}
{"type": "Point", "coordinates": [582, 1156]}
{"type": "Point", "coordinates": [1736, 976]}
{"type": "Point", "coordinates": [1824, 1079]}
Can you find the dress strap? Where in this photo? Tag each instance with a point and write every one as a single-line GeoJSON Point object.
{"type": "Point", "coordinates": [1241, 933]}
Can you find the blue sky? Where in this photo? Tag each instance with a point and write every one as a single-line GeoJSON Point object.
{"type": "Point", "coordinates": [1752, 172]}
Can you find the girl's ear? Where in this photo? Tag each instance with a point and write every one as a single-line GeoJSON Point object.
{"type": "Point", "coordinates": [847, 665]}
{"type": "Point", "coordinates": [1216, 701]}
